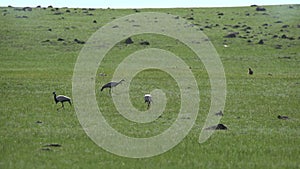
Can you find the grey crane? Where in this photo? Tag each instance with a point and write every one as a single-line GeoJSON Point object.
{"type": "Point", "coordinates": [148, 100]}
{"type": "Point", "coordinates": [111, 85]}
{"type": "Point", "coordinates": [62, 99]}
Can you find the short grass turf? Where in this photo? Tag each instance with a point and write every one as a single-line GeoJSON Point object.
{"type": "Point", "coordinates": [39, 51]}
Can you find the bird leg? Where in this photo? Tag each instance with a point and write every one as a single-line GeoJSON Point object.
{"type": "Point", "coordinates": [148, 105]}
{"type": "Point", "coordinates": [62, 106]}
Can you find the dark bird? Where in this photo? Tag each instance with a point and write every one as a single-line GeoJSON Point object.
{"type": "Point", "coordinates": [148, 100]}
{"type": "Point", "coordinates": [62, 99]}
{"type": "Point", "coordinates": [111, 85]}
{"type": "Point", "coordinates": [282, 117]}
{"type": "Point", "coordinates": [250, 71]}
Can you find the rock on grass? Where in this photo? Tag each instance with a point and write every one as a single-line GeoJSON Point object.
{"type": "Point", "coordinates": [217, 127]}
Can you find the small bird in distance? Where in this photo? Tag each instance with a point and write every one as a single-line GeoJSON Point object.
{"type": "Point", "coordinates": [250, 71]}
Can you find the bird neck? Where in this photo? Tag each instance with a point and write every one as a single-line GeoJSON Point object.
{"type": "Point", "coordinates": [55, 98]}
{"type": "Point", "coordinates": [120, 82]}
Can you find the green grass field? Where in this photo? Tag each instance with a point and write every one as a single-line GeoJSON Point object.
{"type": "Point", "coordinates": [38, 53]}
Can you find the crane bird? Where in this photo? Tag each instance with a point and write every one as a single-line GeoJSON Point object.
{"type": "Point", "coordinates": [148, 100]}
{"type": "Point", "coordinates": [250, 71]}
{"type": "Point", "coordinates": [111, 85]}
{"type": "Point", "coordinates": [62, 99]}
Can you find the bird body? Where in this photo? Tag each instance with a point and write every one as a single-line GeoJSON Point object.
{"type": "Point", "coordinates": [148, 99]}
{"type": "Point", "coordinates": [62, 99]}
{"type": "Point", "coordinates": [111, 85]}
{"type": "Point", "coordinates": [250, 71]}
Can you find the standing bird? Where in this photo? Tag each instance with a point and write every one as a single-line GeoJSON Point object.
{"type": "Point", "coordinates": [62, 99]}
{"type": "Point", "coordinates": [111, 84]}
{"type": "Point", "coordinates": [148, 99]}
{"type": "Point", "coordinates": [250, 71]}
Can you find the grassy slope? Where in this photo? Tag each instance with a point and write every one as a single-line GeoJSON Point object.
{"type": "Point", "coordinates": [31, 69]}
